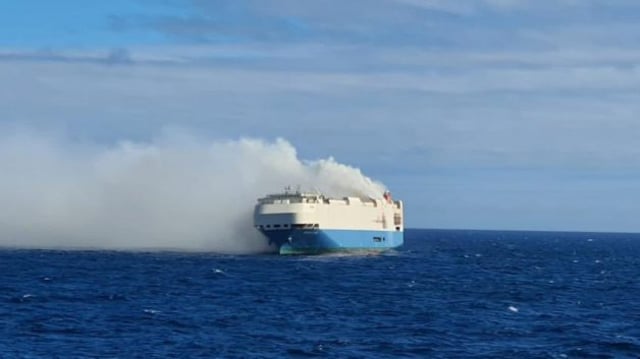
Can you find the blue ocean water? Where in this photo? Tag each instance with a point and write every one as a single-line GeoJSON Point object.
{"type": "Point", "coordinates": [446, 294]}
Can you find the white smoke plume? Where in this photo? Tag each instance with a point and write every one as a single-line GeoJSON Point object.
{"type": "Point", "coordinates": [173, 193]}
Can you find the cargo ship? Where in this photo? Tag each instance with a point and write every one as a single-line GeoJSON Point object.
{"type": "Point", "coordinates": [296, 222]}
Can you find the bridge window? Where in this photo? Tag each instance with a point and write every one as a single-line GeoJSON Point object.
{"type": "Point", "coordinates": [305, 225]}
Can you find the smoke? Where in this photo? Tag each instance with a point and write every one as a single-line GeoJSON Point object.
{"type": "Point", "coordinates": [173, 193]}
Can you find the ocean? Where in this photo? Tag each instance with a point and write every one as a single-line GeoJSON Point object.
{"type": "Point", "coordinates": [445, 294]}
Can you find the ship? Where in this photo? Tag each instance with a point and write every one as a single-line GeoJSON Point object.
{"type": "Point", "coordinates": [296, 222]}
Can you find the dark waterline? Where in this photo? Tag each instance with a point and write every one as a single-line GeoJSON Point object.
{"type": "Point", "coordinates": [445, 294]}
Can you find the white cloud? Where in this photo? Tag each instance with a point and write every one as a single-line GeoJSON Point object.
{"type": "Point", "coordinates": [454, 7]}
{"type": "Point", "coordinates": [437, 72]}
{"type": "Point", "coordinates": [471, 109]}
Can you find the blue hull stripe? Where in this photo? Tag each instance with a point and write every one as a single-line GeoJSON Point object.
{"type": "Point", "coordinates": [330, 240]}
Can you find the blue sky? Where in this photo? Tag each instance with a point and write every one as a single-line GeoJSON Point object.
{"type": "Point", "coordinates": [494, 114]}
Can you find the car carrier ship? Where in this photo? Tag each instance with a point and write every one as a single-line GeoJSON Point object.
{"type": "Point", "coordinates": [296, 222]}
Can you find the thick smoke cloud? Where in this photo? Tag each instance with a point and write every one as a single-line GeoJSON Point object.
{"type": "Point", "coordinates": [172, 193]}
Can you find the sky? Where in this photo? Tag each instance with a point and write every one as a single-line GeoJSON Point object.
{"type": "Point", "coordinates": [479, 114]}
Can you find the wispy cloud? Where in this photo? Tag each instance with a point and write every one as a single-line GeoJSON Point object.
{"type": "Point", "coordinates": [478, 112]}
{"type": "Point", "coordinates": [444, 24]}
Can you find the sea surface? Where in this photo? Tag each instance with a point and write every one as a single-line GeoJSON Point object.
{"type": "Point", "coordinates": [446, 294]}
